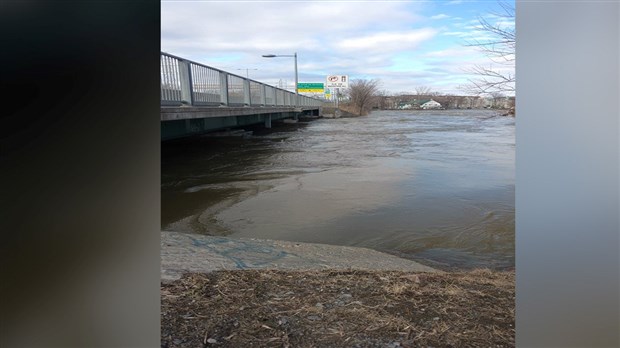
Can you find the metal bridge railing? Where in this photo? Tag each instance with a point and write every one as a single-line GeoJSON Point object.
{"type": "Point", "coordinates": [191, 83]}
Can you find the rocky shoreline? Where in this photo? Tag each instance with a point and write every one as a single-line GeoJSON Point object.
{"type": "Point", "coordinates": [224, 292]}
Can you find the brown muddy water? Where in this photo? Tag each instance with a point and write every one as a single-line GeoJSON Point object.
{"type": "Point", "coordinates": [433, 186]}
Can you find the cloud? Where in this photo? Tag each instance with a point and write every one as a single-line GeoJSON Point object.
{"type": "Point", "coordinates": [457, 33]}
{"type": "Point", "coordinates": [287, 26]}
{"type": "Point", "coordinates": [388, 41]}
{"type": "Point", "coordinates": [452, 52]}
{"type": "Point", "coordinates": [393, 41]}
{"type": "Point", "coordinates": [505, 24]}
{"type": "Point", "coordinates": [440, 16]}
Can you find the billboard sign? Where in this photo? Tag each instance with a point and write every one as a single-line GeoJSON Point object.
{"type": "Point", "coordinates": [305, 87]}
{"type": "Point", "coordinates": [337, 81]}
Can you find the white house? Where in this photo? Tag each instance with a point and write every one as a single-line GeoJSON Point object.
{"type": "Point", "coordinates": [431, 104]}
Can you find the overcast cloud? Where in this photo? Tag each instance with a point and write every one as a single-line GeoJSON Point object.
{"type": "Point", "coordinates": [403, 44]}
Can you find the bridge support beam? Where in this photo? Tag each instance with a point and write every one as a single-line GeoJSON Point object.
{"type": "Point", "coordinates": [223, 88]}
{"type": "Point", "coordinates": [178, 122]}
{"type": "Point", "coordinates": [246, 93]}
{"type": "Point", "coordinates": [185, 78]}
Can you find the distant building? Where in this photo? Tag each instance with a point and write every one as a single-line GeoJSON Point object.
{"type": "Point", "coordinates": [415, 102]}
{"type": "Point", "coordinates": [431, 104]}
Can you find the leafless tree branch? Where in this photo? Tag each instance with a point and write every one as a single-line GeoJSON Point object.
{"type": "Point", "coordinates": [361, 92]}
{"type": "Point", "coordinates": [499, 48]}
{"type": "Point", "coordinates": [423, 90]}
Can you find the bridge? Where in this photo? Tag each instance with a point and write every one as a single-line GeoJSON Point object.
{"type": "Point", "coordinates": [196, 98]}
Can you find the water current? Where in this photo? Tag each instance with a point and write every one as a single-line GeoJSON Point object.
{"type": "Point", "coordinates": [433, 186]}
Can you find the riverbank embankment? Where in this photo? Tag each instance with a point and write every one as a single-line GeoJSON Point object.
{"type": "Point", "coordinates": [334, 112]}
{"type": "Point", "coordinates": [239, 293]}
{"type": "Point", "coordinates": [196, 253]}
{"type": "Point", "coordinates": [227, 292]}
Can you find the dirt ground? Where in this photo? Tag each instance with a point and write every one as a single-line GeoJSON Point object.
{"type": "Point", "coordinates": [267, 308]}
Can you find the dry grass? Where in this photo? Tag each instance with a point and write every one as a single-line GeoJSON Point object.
{"type": "Point", "coordinates": [339, 309]}
{"type": "Point", "coordinates": [351, 109]}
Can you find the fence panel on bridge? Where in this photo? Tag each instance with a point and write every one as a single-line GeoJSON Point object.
{"type": "Point", "coordinates": [190, 83]}
{"type": "Point", "coordinates": [205, 85]}
{"type": "Point", "coordinates": [170, 82]}
{"type": "Point", "coordinates": [235, 91]}
{"type": "Point", "coordinates": [270, 96]}
{"type": "Point", "coordinates": [256, 93]}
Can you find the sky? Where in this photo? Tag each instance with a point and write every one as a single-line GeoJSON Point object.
{"type": "Point", "coordinates": [403, 44]}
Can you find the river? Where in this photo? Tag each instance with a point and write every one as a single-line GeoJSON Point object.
{"type": "Point", "coordinates": [433, 186]}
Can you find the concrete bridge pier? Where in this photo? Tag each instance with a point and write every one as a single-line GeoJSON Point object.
{"type": "Point", "coordinates": [268, 121]}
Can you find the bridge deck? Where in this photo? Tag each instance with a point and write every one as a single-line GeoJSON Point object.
{"type": "Point", "coordinates": [193, 112]}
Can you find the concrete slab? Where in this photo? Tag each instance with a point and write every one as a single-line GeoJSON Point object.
{"type": "Point", "coordinates": [168, 113]}
{"type": "Point", "coordinates": [184, 252]}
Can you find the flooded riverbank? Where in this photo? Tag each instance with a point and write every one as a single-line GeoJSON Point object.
{"type": "Point", "coordinates": [433, 186]}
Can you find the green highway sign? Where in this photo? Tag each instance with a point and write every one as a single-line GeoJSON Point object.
{"type": "Point", "coordinates": [306, 85]}
{"type": "Point", "coordinates": [310, 87]}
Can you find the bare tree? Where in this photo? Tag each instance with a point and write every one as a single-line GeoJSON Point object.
{"type": "Point", "coordinates": [449, 101]}
{"type": "Point", "coordinates": [500, 49]}
{"type": "Point", "coordinates": [381, 99]}
{"type": "Point", "coordinates": [497, 97]}
{"type": "Point", "coordinates": [361, 93]}
{"type": "Point", "coordinates": [422, 90]}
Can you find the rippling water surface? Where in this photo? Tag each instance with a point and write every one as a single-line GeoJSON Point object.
{"type": "Point", "coordinates": [434, 186]}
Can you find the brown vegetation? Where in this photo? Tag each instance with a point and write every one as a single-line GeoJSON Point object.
{"type": "Point", "coordinates": [361, 94]}
{"type": "Point", "coordinates": [350, 109]}
{"type": "Point", "coordinates": [257, 308]}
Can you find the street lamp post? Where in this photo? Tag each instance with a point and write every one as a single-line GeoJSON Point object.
{"type": "Point", "coordinates": [296, 77]}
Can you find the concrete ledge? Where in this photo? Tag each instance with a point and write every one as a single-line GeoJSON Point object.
{"type": "Point", "coordinates": [183, 252]}
{"type": "Point", "coordinates": [184, 113]}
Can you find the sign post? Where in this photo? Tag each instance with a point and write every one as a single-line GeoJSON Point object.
{"type": "Point", "coordinates": [337, 82]}
{"type": "Point", "coordinates": [337, 97]}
